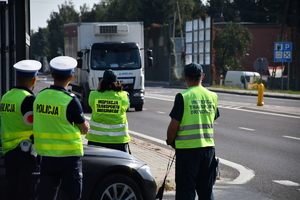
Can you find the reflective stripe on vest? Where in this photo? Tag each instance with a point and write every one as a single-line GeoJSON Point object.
{"type": "Point", "coordinates": [196, 127]}
{"type": "Point", "coordinates": [192, 137]}
{"type": "Point", "coordinates": [14, 125]}
{"type": "Point", "coordinates": [53, 134]}
{"type": "Point", "coordinates": [108, 123]}
{"type": "Point", "coordinates": [109, 127]}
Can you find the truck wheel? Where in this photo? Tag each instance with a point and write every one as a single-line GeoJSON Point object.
{"type": "Point", "coordinates": [139, 107]}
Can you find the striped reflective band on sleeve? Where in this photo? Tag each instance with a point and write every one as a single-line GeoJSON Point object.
{"type": "Point", "coordinates": [108, 126]}
{"type": "Point", "coordinates": [118, 133]}
{"type": "Point", "coordinates": [195, 126]}
{"type": "Point", "coordinates": [196, 136]}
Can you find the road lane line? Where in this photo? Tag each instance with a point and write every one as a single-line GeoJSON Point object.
{"type": "Point", "coordinates": [160, 112]}
{"type": "Point", "coordinates": [247, 129]}
{"type": "Point", "coordinates": [295, 138]}
{"type": "Point", "coordinates": [245, 174]}
{"type": "Point", "coordinates": [286, 182]}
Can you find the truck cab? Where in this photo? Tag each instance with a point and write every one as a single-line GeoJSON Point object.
{"type": "Point", "coordinates": [124, 59]}
{"type": "Point", "coordinates": [99, 46]}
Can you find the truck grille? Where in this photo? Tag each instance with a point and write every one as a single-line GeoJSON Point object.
{"type": "Point", "coordinates": [128, 83]}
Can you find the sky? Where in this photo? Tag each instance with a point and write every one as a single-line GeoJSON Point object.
{"type": "Point", "coordinates": [41, 9]}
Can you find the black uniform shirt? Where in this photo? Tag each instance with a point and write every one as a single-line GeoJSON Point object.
{"type": "Point", "coordinates": [74, 109]}
{"type": "Point", "coordinates": [27, 104]}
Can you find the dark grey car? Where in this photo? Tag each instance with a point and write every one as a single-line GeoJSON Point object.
{"type": "Point", "coordinates": [109, 175]}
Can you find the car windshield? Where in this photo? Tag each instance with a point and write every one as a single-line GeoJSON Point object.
{"type": "Point", "coordinates": [112, 59]}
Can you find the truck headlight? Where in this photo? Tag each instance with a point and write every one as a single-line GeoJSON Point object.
{"type": "Point", "coordinates": [138, 94]}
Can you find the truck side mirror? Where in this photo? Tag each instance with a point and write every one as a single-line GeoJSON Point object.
{"type": "Point", "coordinates": [150, 61]}
{"type": "Point", "coordinates": [149, 53]}
{"type": "Point", "coordinates": [79, 63]}
{"type": "Point", "coordinates": [79, 54]}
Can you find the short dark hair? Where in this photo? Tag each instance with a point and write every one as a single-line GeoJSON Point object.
{"type": "Point", "coordinates": [108, 85]}
{"type": "Point", "coordinates": [194, 79]}
{"type": "Point", "coordinates": [24, 79]}
{"type": "Point", "coordinates": [61, 77]}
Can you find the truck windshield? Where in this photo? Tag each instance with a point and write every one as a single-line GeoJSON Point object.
{"type": "Point", "coordinates": [112, 59]}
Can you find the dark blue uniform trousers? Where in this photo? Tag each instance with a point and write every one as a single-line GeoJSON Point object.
{"type": "Point", "coordinates": [195, 171]}
{"type": "Point", "coordinates": [64, 173]}
{"type": "Point", "coordinates": [21, 174]}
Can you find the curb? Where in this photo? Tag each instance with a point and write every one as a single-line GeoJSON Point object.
{"type": "Point", "coordinates": [158, 158]}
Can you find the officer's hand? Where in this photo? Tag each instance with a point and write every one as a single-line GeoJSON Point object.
{"type": "Point", "coordinates": [87, 128]}
{"type": "Point", "coordinates": [171, 144]}
{"type": "Point", "coordinates": [84, 127]}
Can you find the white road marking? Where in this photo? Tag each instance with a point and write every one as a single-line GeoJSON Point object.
{"type": "Point", "coordinates": [295, 138]}
{"type": "Point", "coordinates": [286, 182]}
{"type": "Point", "coordinates": [160, 112]}
{"type": "Point", "coordinates": [247, 129]}
{"type": "Point", "coordinates": [246, 174]}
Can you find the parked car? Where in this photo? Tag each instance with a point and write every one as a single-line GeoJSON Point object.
{"type": "Point", "coordinates": [108, 174]}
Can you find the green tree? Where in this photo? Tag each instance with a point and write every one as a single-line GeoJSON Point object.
{"type": "Point", "coordinates": [96, 14]}
{"type": "Point", "coordinates": [39, 42]}
{"type": "Point", "coordinates": [230, 45]}
{"type": "Point", "coordinates": [66, 14]}
{"type": "Point", "coordinates": [260, 11]}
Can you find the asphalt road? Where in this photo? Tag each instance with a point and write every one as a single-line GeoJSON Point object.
{"type": "Point", "coordinates": [264, 139]}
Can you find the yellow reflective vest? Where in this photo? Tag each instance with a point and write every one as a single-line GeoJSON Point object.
{"type": "Point", "coordinates": [196, 127]}
{"type": "Point", "coordinates": [14, 126]}
{"type": "Point", "coordinates": [108, 123]}
{"type": "Point", "coordinates": [53, 133]}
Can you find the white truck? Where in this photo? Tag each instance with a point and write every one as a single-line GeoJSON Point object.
{"type": "Point", "coordinates": [106, 45]}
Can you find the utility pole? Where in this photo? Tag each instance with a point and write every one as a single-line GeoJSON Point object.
{"type": "Point", "coordinates": [282, 36]}
{"type": "Point", "coordinates": [177, 9]}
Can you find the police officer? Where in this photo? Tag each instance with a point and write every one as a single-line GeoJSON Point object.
{"type": "Point", "coordinates": [109, 126]}
{"type": "Point", "coordinates": [190, 132]}
{"type": "Point", "coordinates": [16, 122]}
{"type": "Point", "coordinates": [59, 124]}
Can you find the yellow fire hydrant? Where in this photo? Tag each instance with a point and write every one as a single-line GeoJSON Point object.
{"type": "Point", "coordinates": [260, 90]}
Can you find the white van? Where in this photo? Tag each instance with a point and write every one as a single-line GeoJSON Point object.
{"type": "Point", "coordinates": [240, 79]}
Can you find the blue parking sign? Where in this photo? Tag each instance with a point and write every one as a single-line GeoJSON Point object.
{"type": "Point", "coordinates": [283, 51]}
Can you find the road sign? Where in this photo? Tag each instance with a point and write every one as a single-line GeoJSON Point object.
{"type": "Point", "coordinates": [261, 65]}
{"type": "Point", "coordinates": [283, 51]}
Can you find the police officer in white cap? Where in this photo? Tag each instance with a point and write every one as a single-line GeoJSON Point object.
{"type": "Point", "coordinates": [59, 124]}
{"type": "Point", "coordinates": [17, 132]}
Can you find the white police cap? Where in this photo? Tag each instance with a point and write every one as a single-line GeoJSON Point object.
{"type": "Point", "coordinates": [27, 67]}
{"type": "Point", "coordinates": [63, 64]}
